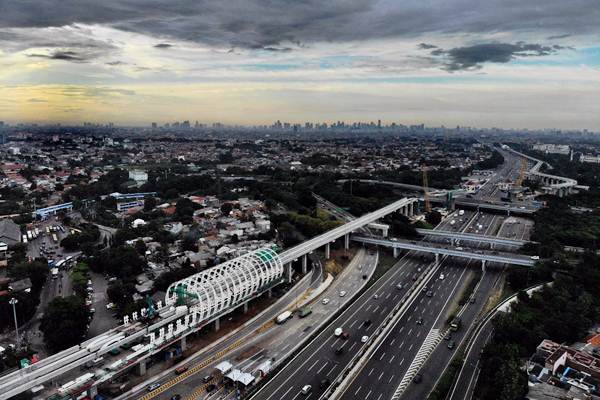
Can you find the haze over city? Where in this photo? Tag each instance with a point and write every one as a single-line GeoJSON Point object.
{"type": "Point", "coordinates": [510, 64]}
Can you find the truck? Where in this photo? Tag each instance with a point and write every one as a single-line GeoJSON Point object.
{"type": "Point", "coordinates": [455, 324]}
{"type": "Point", "coordinates": [54, 273]}
{"type": "Point", "coordinates": [304, 311]}
{"type": "Point", "coordinates": [284, 316]}
{"type": "Point", "coordinates": [29, 235]}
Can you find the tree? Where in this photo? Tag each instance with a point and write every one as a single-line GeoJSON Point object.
{"type": "Point", "coordinates": [433, 217]}
{"type": "Point", "coordinates": [65, 322]}
{"type": "Point", "coordinates": [226, 208]}
{"type": "Point", "coordinates": [149, 204]}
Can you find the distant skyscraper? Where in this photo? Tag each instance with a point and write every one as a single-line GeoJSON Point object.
{"type": "Point", "coordinates": [379, 123]}
{"type": "Point", "coordinates": [154, 125]}
{"type": "Point", "coordinates": [1, 124]}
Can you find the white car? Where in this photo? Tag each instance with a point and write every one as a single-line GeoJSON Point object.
{"type": "Point", "coordinates": [110, 305]}
{"type": "Point", "coordinates": [337, 332]}
{"type": "Point", "coordinates": [342, 293]}
{"type": "Point", "coordinates": [325, 301]}
{"type": "Point", "coordinates": [364, 339]}
{"type": "Point", "coordinates": [535, 257]}
{"type": "Point", "coordinates": [442, 277]}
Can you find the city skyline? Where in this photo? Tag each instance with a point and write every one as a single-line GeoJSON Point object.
{"type": "Point", "coordinates": [508, 65]}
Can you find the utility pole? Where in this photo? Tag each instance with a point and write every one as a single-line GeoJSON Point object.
{"type": "Point", "coordinates": [14, 302]}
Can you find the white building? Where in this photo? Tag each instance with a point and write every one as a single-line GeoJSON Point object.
{"type": "Point", "coordinates": [588, 158]}
{"type": "Point", "coordinates": [140, 177]}
{"type": "Point", "coordinates": [552, 148]}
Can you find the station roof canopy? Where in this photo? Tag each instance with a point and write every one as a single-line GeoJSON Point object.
{"type": "Point", "coordinates": [243, 377]}
{"type": "Point", "coordinates": [224, 367]}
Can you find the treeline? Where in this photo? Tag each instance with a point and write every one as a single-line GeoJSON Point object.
{"type": "Point", "coordinates": [563, 313]}
{"type": "Point", "coordinates": [494, 161]}
{"type": "Point", "coordinates": [557, 226]}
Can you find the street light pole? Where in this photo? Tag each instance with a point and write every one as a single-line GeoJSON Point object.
{"type": "Point", "coordinates": [14, 302]}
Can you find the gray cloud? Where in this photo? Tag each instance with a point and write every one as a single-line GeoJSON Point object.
{"type": "Point", "coordinates": [276, 23]}
{"type": "Point", "coordinates": [472, 57]}
{"type": "Point", "coordinates": [64, 56]}
{"type": "Point", "coordinates": [163, 46]}
{"type": "Point", "coordinates": [426, 46]}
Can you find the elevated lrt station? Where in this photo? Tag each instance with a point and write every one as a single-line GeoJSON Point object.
{"type": "Point", "coordinates": [189, 305]}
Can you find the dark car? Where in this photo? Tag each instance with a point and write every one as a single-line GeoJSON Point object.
{"type": "Point", "coordinates": [325, 383]}
{"type": "Point", "coordinates": [345, 335]}
{"type": "Point", "coordinates": [180, 370]}
{"type": "Point", "coordinates": [429, 293]}
{"type": "Point", "coordinates": [339, 350]}
{"type": "Point", "coordinates": [418, 378]}
{"type": "Point", "coordinates": [367, 323]}
{"type": "Point", "coordinates": [207, 378]}
{"type": "Point", "coordinates": [420, 321]}
{"type": "Point", "coordinates": [176, 397]}
{"type": "Point", "coordinates": [211, 387]}
{"type": "Point", "coordinates": [451, 344]}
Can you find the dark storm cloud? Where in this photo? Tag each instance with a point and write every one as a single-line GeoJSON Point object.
{"type": "Point", "coordinates": [272, 23]}
{"type": "Point", "coordinates": [472, 57]}
{"type": "Point", "coordinates": [555, 37]}
{"type": "Point", "coordinates": [426, 46]}
{"type": "Point", "coordinates": [64, 56]}
{"type": "Point", "coordinates": [163, 46]}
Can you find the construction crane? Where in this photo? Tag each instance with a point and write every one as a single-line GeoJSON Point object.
{"type": "Point", "coordinates": [426, 189]}
{"type": "Point", "coordinates": [522, 172]}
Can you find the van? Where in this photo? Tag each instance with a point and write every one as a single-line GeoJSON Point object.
{"type": "Point", "coordinates": [337, 332]}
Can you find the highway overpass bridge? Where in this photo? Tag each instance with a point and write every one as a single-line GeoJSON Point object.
{"type": "Point", "coordinates": [470, 237]}
{"type": "Point", "coordinates": [484, 256]}
{"type": "Point", "coordinates": [189, 305]}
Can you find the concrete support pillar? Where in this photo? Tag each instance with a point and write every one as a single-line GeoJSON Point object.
{"type": "Point", "coordinates": [396, 252]}
{"type": "Point", "coordinates": [217, 325]}
{"type": "Point", "coordinates": [246, 307]}
{"type": "Point", "coordinates": [304, 263]}
{"type": "Point", "coordinates": [437, 258]}
{"type": "Point", "coordinates": [327, 251]}
{"type": "Point", "coordinates": [347, 241]}
{"type": "Point", "coordinates": [269, 294]}
{"type": "Point", "coordinates": [183, 343]}
{"type": "Point", "coordinates": [411, 209]}
{"type": "Point", "coordinates": [385, 232]}
{"type": "Point", "coordinates": [141, 368]}
{"type": "Point", "coordinates": [287, 272]}
{"type": "Point", "coordinates": [483, 265]}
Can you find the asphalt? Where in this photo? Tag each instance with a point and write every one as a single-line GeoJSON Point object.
{"type": "Point", "coordinates": [434, 368]}
{"type": "Point", "coordinates": [318, 361]}
{"type": "Point", "coordinates": [383, 373]}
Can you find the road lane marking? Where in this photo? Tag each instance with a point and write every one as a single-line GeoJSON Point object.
{"type": "Point", "coordinates": [380, 375]}
{"type": "Point", "coordinates": [321, 369]}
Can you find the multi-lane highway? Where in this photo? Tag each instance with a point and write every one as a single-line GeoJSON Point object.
{"type": "Point", "coordinates": [326, 356]}
{"type": "Point", "coordinates": [490, 282]}
{"type": "Point", "coordinates": [421, 325]}
{"type": "Point", "coordinates": [265, 343]}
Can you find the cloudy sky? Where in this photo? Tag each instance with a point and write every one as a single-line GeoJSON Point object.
{"type": "Point", "coordinates": [505, 63]}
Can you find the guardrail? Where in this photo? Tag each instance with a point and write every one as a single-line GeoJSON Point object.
{"type": "Point", "coordinates": [478, 326]}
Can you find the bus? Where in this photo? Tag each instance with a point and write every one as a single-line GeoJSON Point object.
{"type": "Point", "coordinates": [47, 230]}
{"type": "Point", "coordinates": [55, 238]}
{"type": "Point", "coordinates": [54, 273]}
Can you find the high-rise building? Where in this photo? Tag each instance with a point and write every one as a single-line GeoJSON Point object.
{"type": "Point", "coordinates": [154, 125]}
